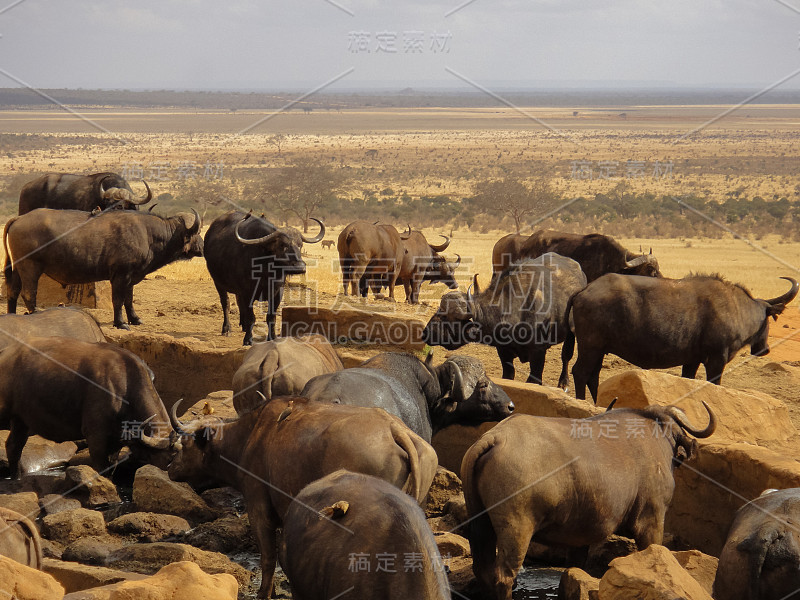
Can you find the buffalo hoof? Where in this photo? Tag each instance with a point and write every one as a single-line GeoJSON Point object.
{"type": "Point", "coordinates": [122, 326]}
{"type": "Point", "coordinates": [135, 321]}
{"type": "Point", "coordinates": [247, 341]}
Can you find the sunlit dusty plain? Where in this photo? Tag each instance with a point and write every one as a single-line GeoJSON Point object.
{"type": "Point", "coordinates": [443, 151]}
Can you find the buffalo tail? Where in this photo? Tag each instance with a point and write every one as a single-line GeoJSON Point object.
{"type": "Point", "coordinates": [402, 439]}
{"type": "Point", "coordinates": [7, 269]}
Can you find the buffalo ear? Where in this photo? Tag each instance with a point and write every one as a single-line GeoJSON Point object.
{"type": "Point", "coordinates": [773, 310]}
{"type": "Point", "coordinates": [429, 359]}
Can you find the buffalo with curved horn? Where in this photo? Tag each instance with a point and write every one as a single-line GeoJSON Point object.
{"type": "Point", "coordinates": [422, 262]}
{"type": "Point", "coordinates": [65, 191]}
{"type": "Point", "coordinates": [250, 257]}
{"type": "Point", "coordinates": [661, 323]}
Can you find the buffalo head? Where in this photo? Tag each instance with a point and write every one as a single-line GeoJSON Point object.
{"type": "Point", "coordinates": [676, 427]}
{"type": "Point", "coordinates": [192, 242]}
{"type": "Point", "coordinates": [479, 399]}
{"type": "Point", "coordinates": [645, 265]}
{"type": "Point", "coordinates": [282, 245]}
{"type": "Point", "coordinates": [759, 344]}
{"type": "Point", "coordinates": [452, 326]}
{"type": "Point", "coordinates": [439, 270]}
{"type": "Point", "coordinates": [114, 192]}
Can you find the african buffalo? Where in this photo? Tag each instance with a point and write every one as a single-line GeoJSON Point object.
{"type": "Point", "coordinates": [62, 321]}
{"type": "Point", "coordinates": [422, 262]}
{"type": "Point", "coordinates": [597, 254]}
{"type": "Point", "coordinates": [761, 557]}
{"type": "Point", "coordinates": [506, 251]}
{"type": "Point", "coordinates": [570, 482]}
{"type": "Point", "coordinates": [281, 368]}
{"type": "Point", "coordinates": [272, 452]}
{"type": "Point", "coordinates": [19, 539]}
{"type": "Point", "coordinates": [425, 397]}
{"type": "Point", "coordinates": [250, 257]}
{"type": "Point", "coordinates": [79, 192]}
{"type": "Point", "coordinates": [661, 323]}
{"type": "Point", "coordinates": [370, 255]}
{"type": "Point", "coordinates": [346, 516]}
{"type": "Point", "coordinates": [521, 314]}
{"type": "Point", "coordinates": [72, 246]}
{"type": "Point", "coordinates": [64, 389]}
{"type": "Point", "coordinates": [327, 244]}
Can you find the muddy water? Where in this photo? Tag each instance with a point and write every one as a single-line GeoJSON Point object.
{"type": "Point", "coordinates": [537, 584]}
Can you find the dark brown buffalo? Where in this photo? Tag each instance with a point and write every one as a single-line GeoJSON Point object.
{"type": "Point", "coordinates": [570, 482]}
{"type": "Point", "coordinates": [761, 557]}
{"type": "Point", "coordinates": [422, 262]}
{"type": "Point", "coordinates": [346, 516]}
{"type": "Point", "coordinates": [327, 243]}
{"type": "Point", "coordinates": [507, 251]}
{"type": "Point", "coordinates": [250, 258]}
{"type": "Point", "coordinates": [19, 539]}
{"type": "Point", "coordinates": [281, 367]}
{"type": "Point", "coordinates": [597, 254]}
{"type": "Point", "coordinates": [72, 246]}
{"type": "Point", "coordinates": [63, 389]}
{"type": "Point", "coordinates": [271, 453]}
{"type": "Point", "coordinates": [425, 397]}
{"type": "Point", "coordinates": [522, 313]}
{"type": "Point", "coordinates": [79, 192]}
{"type": "Point", "coordinates": [662, 323]}
{"type": "Point", "coordinates": [370, 255]}
{"type": "Point", "coordinates": [61, 321]}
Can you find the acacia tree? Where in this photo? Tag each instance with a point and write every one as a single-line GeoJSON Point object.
{"type": "Point", "coordinates": [299, 189]}
{"type": "Point", "coordinates": [513, 198]}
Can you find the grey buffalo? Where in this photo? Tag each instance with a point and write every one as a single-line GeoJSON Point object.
{"type": "Point", "coordinates": [65, 191]}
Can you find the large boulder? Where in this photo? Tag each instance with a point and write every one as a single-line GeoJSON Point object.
{"type": "Point", "coordinates": [54, 503]}
{"type": "Point", "coordinates": [745, 416]}
{"type": "Point", "coordinates": [149, 558]}
{"type": "Point", "coordinates": [39, 453]}
{"type": "Point", "coordinates": [227, 534]}
{"type": "Point", "coordinates": [25, 503]}
{"type": "Point", "coordinates": [451, 443]}
{"type": "Point", "coordinates": [700, 566]}
{"type": "Point", "coordinates": [178, 581]}
{"type": "Point", "coordinates": [67, 526]}
{"type": "Point", "coordinates": [91, 488]}
{"type": "Point", "coordinates": [75, 576]}
{"type": "Point", "coordinates": [577, 584]}
{"type": "Point", "coordinates": [20, 582]}
{"type": "Point", "coordinates": [444, 487]}
{"type": "Point", "coordinates": [91, 549]}
{"type": "Point", "coordinates": [342, 325]}
{"type": "Point", "coordinates": [155, 492]}
{"type": "Point", "coordinates": [148, 527]}
{"type": "Point", "coordinates": [452, 546]}
{"type": "Point", "coordinates": [652, 574]}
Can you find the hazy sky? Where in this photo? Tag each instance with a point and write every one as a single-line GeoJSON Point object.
{"type": "Point", "coordinates": [302, 44]}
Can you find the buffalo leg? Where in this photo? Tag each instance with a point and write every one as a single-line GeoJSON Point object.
{"type": "Point", "coordinates": [119, 293]}
{"type": "Point", "coordinates": [594, 379]}
{"type": "Point", "coordinates": [225, 303]}
{"type": "Point", "coordinates": [29, 282]}
{"type": "Point", "coordinates": [14, 445]}
{"type": "Point", "coordinates": [507, 361]}
{"type": "Point", "coordinates": [356, 275]}
{"type": "Point", "coordinates": [272, 310]}
{"type": "Point", "coordinates": [537, 356]}
{"type": "Point", "coordinates": [690, 370]}
{"type": "Point", "coordinates": [247, 319]}
{"type": "Point", "coordinates": [133, 318]}
{"type": "Point", "coordinates": [14, 288]}
{"type": "Point", "coordinates": [567, 350]}
{"type": "Point", "coordinates": [513, 539]}
{"type": "Point", "coordinates": [649, 527]}
{"type": "Point", "coordinates": [264, 524]}
{"type": "Point", "coordinates": [714, 368]}
{"type": "Point", "coordinates": [583, 372]}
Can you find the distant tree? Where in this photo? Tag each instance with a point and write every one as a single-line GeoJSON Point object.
{"type": "Point", "coordinates": [513, 198]}
{"type": "Point", "coordinates": [277, 140]}
{"type": "Point", "coordinates": [299, 189]}
{"type": "Point", "coordinates": [206, 193]}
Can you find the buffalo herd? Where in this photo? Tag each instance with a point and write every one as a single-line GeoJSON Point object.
{"type": "Point", "coordinates": [335, 462]}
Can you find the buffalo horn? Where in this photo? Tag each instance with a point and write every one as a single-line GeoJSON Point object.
{"type": "Point", "coordinates": [458, 261]}
{"type": "Point", "coordinates": [147, 198]}
{"type": "Point", "coordinates": [153, 442]}
{"type": "Point", "coordinates": [458, 383]}
{"type": "Point", "coordinates": [318, 237]}
{"type": "Point", "coordinates": [407, 234]}
{"type": "Point", "coordinates": [197, 224]}
{"type": "Point", "coordinates": [611, 404]}
{"type": "Point", "coordinates": [176, 422]}
{"type": "Point", "coordinates": [639, 260]}
{"type": "Point", "coordinates": [441, 247]}
{"type": "Point", "coordinates": [261, 240]}
{"type": "Point", "coordinates": [152, 207]}
{"type": "Point", "coordinates": [682, 420]}
{"type": "Point", "coordinates": [788, 296]}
